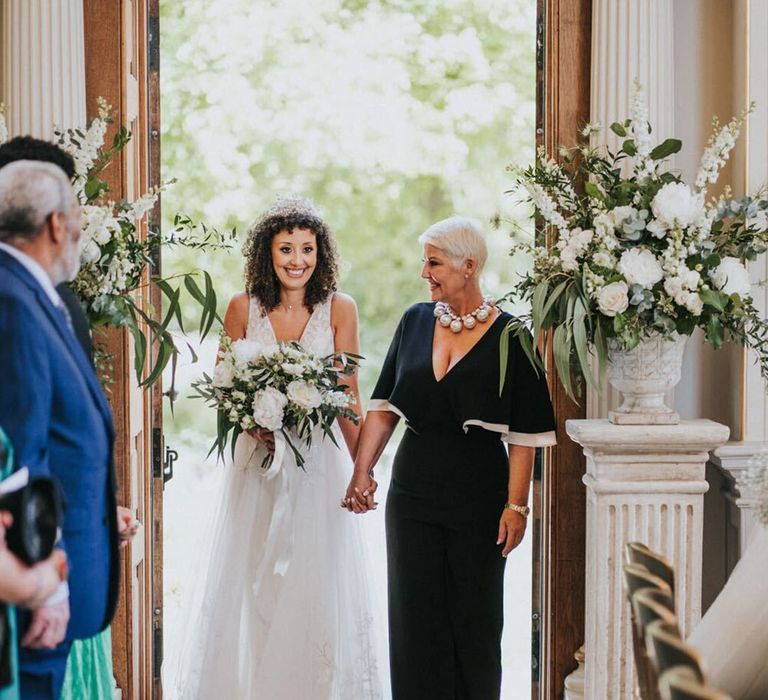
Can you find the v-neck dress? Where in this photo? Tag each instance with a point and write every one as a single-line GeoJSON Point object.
{"type": "Point", "coordinates": [448, 489]}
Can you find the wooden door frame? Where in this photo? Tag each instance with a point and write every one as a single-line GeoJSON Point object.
{"type": "Point", "coordinates": [563, 94]}
{"type": "Point", "coordinates": [104, 33]}
{"type": "Point", "coordinates": [564, 29]}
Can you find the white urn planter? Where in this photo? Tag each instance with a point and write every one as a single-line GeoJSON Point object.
{"type": "Point", "coordinates": [644, 375]}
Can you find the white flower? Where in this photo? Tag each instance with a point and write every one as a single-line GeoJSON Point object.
{"type": "Point", "coordinates": [620, 214]}
{"type": "Point", "coordinates": [99, 224]}
{"type": "Point", "coordinates": [340, 399]}
{"type": "Point", "coordinates": [656, 229]}
{"type": "Point", "coordinates": [572, 245]}
{"type": "Point", "coordinates": [640, 266]}
{"type": "Point", "coordinates": [693, 303]}
{"type": "Point", "coordinates": [304, 395]}
{"type": "Point", "coordinates": [676, 203]}
{"type": "Point", "coordinates": [245, 351]}
{"type": "Point", "coordinates": [91, 252]}
{"type": "Point", "coordinates": [731, 277]}
{"type": "Point", "coordinates": [613, 298]}
{"type": "Point", "coordinates": [292, 369]}
{"type": "Point", "coordinates": [269, 408]}
{"type": "Point", "coordinates": [224, 374]}
{"type": "Point", "coordinates": [604, 258]}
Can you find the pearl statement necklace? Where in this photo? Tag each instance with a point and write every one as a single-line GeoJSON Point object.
{"type": "Point", "coordinates": [448, 318]}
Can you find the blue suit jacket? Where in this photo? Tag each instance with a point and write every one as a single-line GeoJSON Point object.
{"type": "Point", "coordinates": [58, 420]}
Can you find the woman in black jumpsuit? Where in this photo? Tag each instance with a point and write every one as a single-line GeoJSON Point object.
{"type": "Point", "coordinates": [451, 480]}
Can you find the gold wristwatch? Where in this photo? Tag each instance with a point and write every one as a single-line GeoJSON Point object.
{"type": "Point", "coordinates": [523, 510]}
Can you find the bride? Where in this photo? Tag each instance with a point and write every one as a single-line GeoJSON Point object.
{"type": "Point", "coordinates": [285, 611]}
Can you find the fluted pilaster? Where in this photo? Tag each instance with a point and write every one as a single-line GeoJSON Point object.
{"type": "Point", "coordinates": [42, 72]}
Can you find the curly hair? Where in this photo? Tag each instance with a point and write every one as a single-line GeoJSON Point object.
{"type": "Point", "coordinates": [30, 148]}
{"type": "Point", "coordinates": [260, 278]}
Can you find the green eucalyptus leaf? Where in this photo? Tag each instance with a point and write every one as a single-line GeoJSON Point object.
{"type": "Point", "coordinates": [618, 129]}
{"type": "Point", "coordinates": [666, 149]}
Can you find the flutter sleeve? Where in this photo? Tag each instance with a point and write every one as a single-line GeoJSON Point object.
{"type": "Point", "coordinates": [531, 418]}
{"type": "Point", "coordinates": [521, 413]}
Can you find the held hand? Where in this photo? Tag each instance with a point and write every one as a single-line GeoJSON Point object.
{"type": "Point", "coordinates": [127, 525]}
{"type": "Point", "coordinates": [359, 497]}
{"type": "Point", "coordinates": [48, 627]}
{"type": "Point", "coordinates": [511, 530]}
{"type": "Point", "coordinates": [265, 437]}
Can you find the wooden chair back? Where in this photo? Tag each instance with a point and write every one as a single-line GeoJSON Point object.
{"type": "Point", "coordinates": [638, 553]}
{"type": "Point", "coordinates": [666, 649]}
{"type": "Point", "coordinates": [636, 578]}
{"type": "Point", "coordinates": [680, 683]}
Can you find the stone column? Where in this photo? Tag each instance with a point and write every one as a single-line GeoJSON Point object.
{"type": "Point", "coordinates": [646, 484]}
{"type": "Point", "coordinates": [42, 65]}
{"type": "Point", "coordinates": [631, 39]}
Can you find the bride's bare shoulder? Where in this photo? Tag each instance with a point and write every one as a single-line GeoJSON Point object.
{"type": "Point", "coordinates": [343, 309]}
{"type": "Point", "coordinates": [236, 317]}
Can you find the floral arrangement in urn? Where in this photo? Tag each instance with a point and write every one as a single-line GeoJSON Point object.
{"type": "Point", "coordinates": [638, 261]}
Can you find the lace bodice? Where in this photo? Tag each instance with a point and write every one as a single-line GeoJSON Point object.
{"type": "Point", "coordinates": [316, 338]}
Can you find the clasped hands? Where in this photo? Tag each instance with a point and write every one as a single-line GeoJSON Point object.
{"type": "Point", "coordinates": [360, 494]}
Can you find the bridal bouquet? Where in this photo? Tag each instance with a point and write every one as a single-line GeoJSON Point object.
{"type": "Point", "coordinates": [281, 388]}
{"type": "Point", "coordinates": [639, 251]}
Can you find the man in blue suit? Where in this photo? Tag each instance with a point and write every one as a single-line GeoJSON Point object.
{"type": "Point", "coordinates": [53, 410]}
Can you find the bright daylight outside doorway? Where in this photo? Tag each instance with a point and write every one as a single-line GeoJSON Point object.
{"type": "Point", "coordinates": [390, 115]}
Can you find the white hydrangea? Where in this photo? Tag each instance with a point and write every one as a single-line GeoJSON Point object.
{"type": "Point", "coordinates": [731, 277]}
{"type": "Point", "coordinates": [604, 258]}
{"type": "Point", "coordinates": [338, 399]}
{"type": "Point", "coordinates": [676, 204]}
{"type": "Point", "coordinates": [245, 350]}
{"type": "Point", "coordinates": [640, 266]}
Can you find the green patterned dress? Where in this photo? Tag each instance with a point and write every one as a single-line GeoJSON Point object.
{"type": "Point", "coordinates": [9, 692]}
{"type": "Point", "coordinates": [89, 669]}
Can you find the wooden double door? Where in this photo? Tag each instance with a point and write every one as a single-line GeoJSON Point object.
{"type": "Point", "coordinates": [122, 66]}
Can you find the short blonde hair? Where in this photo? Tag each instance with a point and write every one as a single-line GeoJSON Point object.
{"type": "Point", "coordinates": [459, 237]}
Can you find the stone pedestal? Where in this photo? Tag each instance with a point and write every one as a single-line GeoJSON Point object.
{"type": "Point", "coordinates": [646, 484]}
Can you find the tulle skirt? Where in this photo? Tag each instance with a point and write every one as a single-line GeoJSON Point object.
{"type": "Point", "coordinates": [285, 611]}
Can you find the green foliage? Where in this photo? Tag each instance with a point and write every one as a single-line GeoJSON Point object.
{"type": "Point", "coordinates": [391, 115]}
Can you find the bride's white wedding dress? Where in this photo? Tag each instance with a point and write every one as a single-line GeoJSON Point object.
{"type": "Point", "coordinates": [285, 613]}
{"type": "Point", "coordinates": [732, 637]}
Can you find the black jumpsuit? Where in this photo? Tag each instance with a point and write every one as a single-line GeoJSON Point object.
{"type": "Point", "coordinates": [449, 486]}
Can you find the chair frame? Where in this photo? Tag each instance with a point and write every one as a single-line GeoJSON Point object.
{"type": "Point", "coordinates": [680, 683]}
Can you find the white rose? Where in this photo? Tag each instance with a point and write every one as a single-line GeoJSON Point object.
{"type": "Point", "coordinates": [224, 374]}
{"type": "Point", "coordinates": [640, 266]}
{"type": "Point", "coordinates": [675, 202]}
{"type": "Point", "coordinates": [269, 408]}
{"type": "Point", "coordinates": [304, 395]}
{"type": "Point", "coordinates": [731, 277]}
{"type": "Point", "coordinates": [613, 298]}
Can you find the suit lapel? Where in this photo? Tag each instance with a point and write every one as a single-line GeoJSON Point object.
{"type": "Point", "coordinates": [67, 336]}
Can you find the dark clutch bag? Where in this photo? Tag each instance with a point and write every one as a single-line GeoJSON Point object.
{"type": "Point", "coordinates": [37, 516]}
